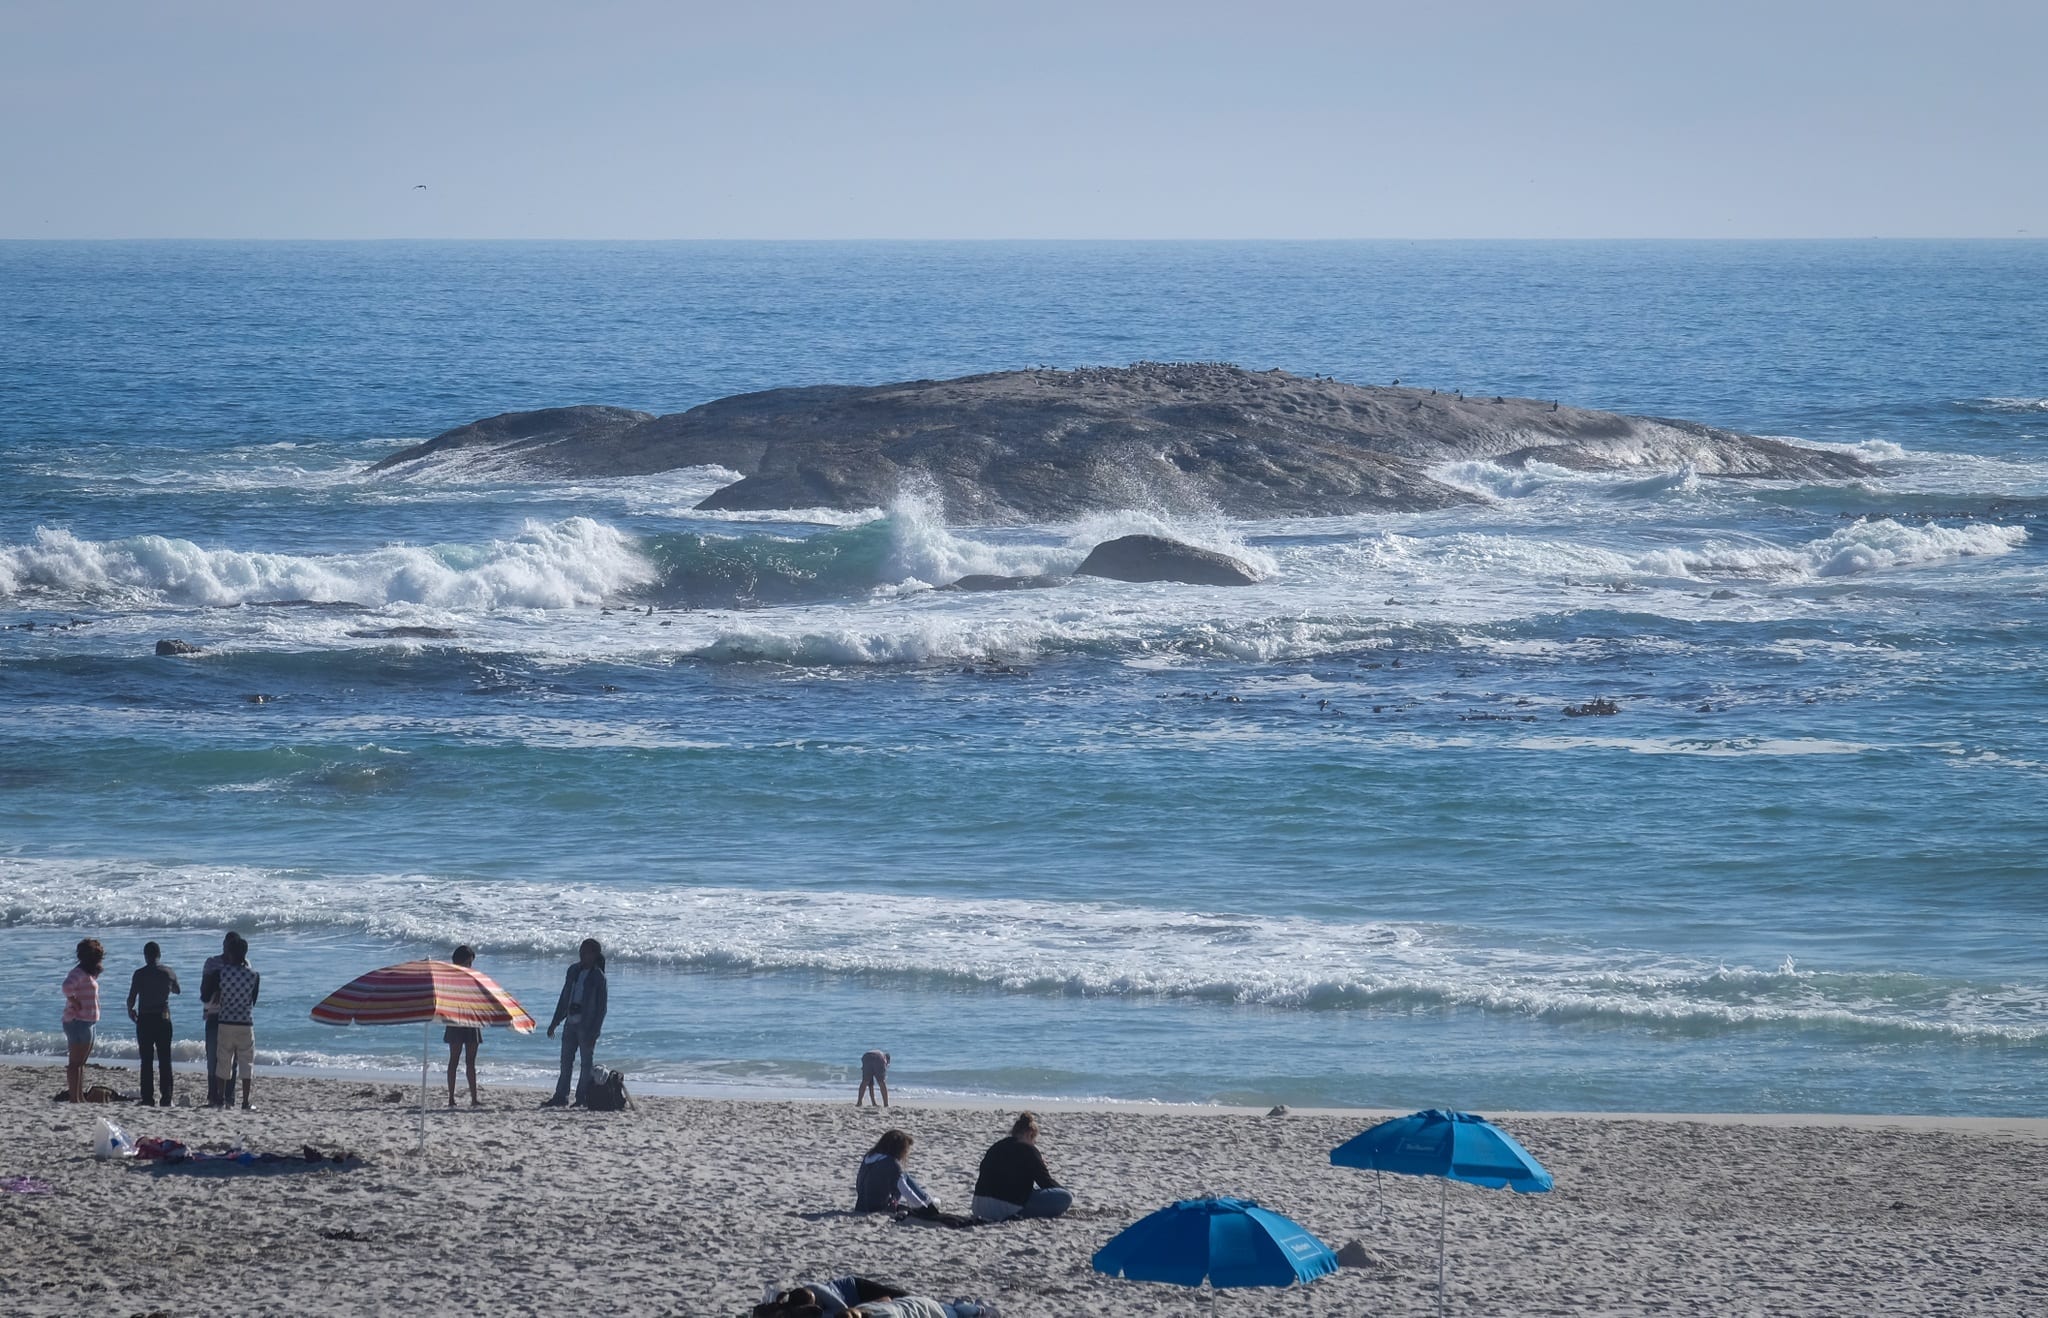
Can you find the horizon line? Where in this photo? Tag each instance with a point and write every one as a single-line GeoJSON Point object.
{"type": "Point", "coordinates": [2020, 236]}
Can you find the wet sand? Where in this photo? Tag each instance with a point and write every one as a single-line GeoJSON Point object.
{"type": "Point", "coordinates": [688, 1206]}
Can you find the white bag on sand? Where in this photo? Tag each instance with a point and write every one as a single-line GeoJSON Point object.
{"type": "Point", "coordinates": [113, 1142]}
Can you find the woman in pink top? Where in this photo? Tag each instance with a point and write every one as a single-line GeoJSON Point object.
{"type": "Point", "coordinates": [81, 1012]}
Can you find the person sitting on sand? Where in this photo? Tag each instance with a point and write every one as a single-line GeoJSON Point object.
{"type": "Point", "coordinates": [149, 1006]}
{"type": "Point", "coordinates": [1014, 1182]}
{"type": "Point", "coordinates": [233, 987]}
{"type": "Point", "coordinates": [882, 1186]}
{"type": "Point", "coordinates": [463, 1040]}
{"type": "Point", "coordinates": [874, 1075]}
{"type": "Point", "coordinates": [580, 1014]}
{"type": "Point", "coordinates": [81, 1013]}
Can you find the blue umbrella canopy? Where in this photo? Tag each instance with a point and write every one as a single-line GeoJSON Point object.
{"type": "Point", "coordinates": [1230, 1242]}
{"type": "Point", "coordinates": [1455, 1145]}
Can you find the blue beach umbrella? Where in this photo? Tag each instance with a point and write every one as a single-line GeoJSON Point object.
{"type": "Point", "coordinates": [1454, 1146]}
{"type": "Point", "coordinates": [1228, 1242]}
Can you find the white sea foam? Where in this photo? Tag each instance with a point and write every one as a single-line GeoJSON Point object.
{"type": "Point", "coordinates": [787, 516]}
{"type": "Point", "coordinates": [578, 561]}
{"type": "Point", "coordinates": [1864, 546]}
{"type": "Point", "coordinates": [1028, 947]}
{"type": "Point", "coordinates": [1491, 480]}
{"type": "Point", "coordinates": [1711, 747]}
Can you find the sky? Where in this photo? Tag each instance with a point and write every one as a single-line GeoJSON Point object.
{"type": "Point", "coordinates": [1027, 119]}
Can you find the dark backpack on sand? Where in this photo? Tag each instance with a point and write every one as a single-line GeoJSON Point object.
{"type": "Point", "coordinates": [605, 1091]}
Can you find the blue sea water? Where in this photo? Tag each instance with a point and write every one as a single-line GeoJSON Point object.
{"type": "Point", "coordinates": [1328, 840]}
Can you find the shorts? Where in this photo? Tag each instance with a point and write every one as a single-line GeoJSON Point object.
{"type": "Point", "coordinates": [77, 1032]}
{"type": "Point", "coordinates": [235, 1043]}
{"type": "Point", "coordinates": [874, 1065]}
{"type": "Point", "coordinates": [463, 1034]}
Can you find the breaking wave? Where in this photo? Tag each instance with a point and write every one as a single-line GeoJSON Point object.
{"type": "Point", "coordinates": [578, 561]}
{"type": "Point", "coordinates": [1037, 948]}
{"type": "Point", "coordinates": [1864, 546]}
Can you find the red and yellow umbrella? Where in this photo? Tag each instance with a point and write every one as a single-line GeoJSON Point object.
{"type": "Point", "coordinates": [420, 993]}
{"type": "Point", "coordinates": [423, 991]}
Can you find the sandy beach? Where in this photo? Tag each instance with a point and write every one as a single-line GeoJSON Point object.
{"type": "Point", "coordinates": [688, 1206]}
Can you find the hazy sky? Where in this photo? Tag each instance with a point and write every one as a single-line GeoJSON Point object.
{"type": "Point", "coordinates": [873, 118]}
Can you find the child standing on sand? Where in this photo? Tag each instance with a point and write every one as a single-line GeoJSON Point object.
{"type": "Point", "coordinates": [81, 1013]}
{"type": "Point", "coordinates": [874, 1077]}
{"type": "Point", "coordinates": [463, 1040]}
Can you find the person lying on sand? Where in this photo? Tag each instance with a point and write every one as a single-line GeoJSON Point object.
{"type": "Point", "coordinates": [863, 1297]}
{"type": "Point", "coordinates": [1014, 1181]}
{"type": "Point", "coordinates": [882, 1186]}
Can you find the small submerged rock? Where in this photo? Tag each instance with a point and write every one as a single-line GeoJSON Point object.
{"type": "Point", "coordinates": [995, 581]}
{"type": "Point", "coordinates": [172, 649]}
{"type": "Point", "coordinates": [405, 633]}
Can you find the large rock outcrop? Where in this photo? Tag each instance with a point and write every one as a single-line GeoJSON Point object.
{"type": "Point", "coordinates": [1048, 446]}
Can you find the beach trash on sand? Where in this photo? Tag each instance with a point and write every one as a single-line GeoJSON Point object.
{"type": "Point", "coordinates": [112, 1142]}
{"type": "Point", "coordinates": [1453, 1146]}
{"type": "Point", "coordinates": [1227, 1242]}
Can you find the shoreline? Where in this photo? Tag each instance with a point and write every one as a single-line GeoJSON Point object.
{"type": "Point", "coordinates": [913, 1100]}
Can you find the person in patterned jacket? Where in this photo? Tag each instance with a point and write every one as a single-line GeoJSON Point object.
{"type": "Point", "coordinates": [232, 988]}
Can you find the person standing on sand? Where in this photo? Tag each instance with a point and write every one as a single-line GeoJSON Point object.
{"type": "Point", "coordinates": [232, 988]}
{"type": "Point", "coordinates": [149, 1006]}
{"type": "Point", "coordinates": [1014, 1181]}
{"type": "Point", "coordinates": [463, 1040]}
{"type": "Point", "coordinates": [81, 1013]}
{"type": "Point", "coordinates": [210, 1010]}
{"type": "Point", "coordinates": [874, 1075]}
{"type": "Point", "coordinates": [580, 1012]}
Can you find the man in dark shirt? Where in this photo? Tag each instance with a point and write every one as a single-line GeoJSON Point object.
{"type": "Point", "coordinates": [1014, 1181]}
{"type": "Point", "coordinates": [212, 1013]}
{"type": "Point", "coordinates": [149, 1006]}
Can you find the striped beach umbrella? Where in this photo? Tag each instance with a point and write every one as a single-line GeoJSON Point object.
{"type": "Point", "coordinates": [422, 992]}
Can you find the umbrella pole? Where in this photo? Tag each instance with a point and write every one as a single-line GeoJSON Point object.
{"type": "Point", "coordinates": [426, 1038]}
{"type": "Point", "coordinates": [1443, 1195]}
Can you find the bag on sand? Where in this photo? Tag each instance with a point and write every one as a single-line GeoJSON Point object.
{"type": "Point", "coordinates": [606, 1091]}
{"type": "Point", "coordinates": [113, 1142]}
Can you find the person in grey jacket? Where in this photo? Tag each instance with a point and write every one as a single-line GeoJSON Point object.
{"type": "Point", "coordinates": [579, 1013]}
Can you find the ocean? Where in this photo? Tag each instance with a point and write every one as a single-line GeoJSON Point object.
{"type": "Point", "coordinates": [1329, 840]}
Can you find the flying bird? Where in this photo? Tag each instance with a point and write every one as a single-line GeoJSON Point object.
{"type": "Point", "coordinates": [419, 187]}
